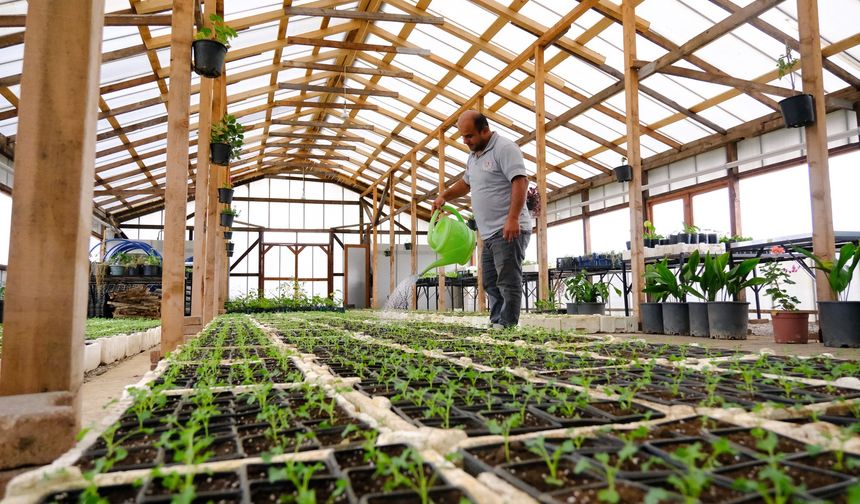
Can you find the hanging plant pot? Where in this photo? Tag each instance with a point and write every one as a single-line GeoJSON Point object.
{"type": "Point", "coordinates": [208, 57]}
{"type": "Point", "coordinates": [840, 323]}
{"type": "Point", "coordinates": [228, 235]}
{"type": "Point", "coordinates": [623, 173]}
{"type": "Point", "coordinates": [230, 253]}
{"type": "Point", "coordinates": [225, 195]}
{"type": "Point", "coordinates": [227, 220]}
{"type": "Point", "coordinates": [652, 317]}
{"type": "Point", "coordinates": [219, 154]}
{"type": "Point", "coordinates": [790, 327]}
{"type": "Point", "coordinates": [798, 110]}
{"type": "Point", "coordinates": [230, 247]}
{"type": "Point", "coordinates": [728, 320]}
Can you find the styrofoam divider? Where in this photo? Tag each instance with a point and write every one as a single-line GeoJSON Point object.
{"type": "Point", "coordinates": [114, 348]}
{"type": "Point", "coordinates": [588, 324]}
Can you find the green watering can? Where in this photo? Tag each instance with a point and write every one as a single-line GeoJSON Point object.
{"type": "Point", "coordinates": [452, 240]}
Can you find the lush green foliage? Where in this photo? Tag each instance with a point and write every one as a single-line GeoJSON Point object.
{"type": "Point", "coordinates": [840, 272]}
{"type": "Point", "coordinates": [580, 290]}
{"type": "Point", "coordinates": [220, 31]}
{"type": "Point", "coordinates": [229, 131]}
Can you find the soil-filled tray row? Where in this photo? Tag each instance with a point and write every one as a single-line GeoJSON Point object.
{"type": "Point", "coordinates": [818, 368]}
{"type": "Point", "coordinates": [189, 375]}
{"type": "Point", "coordinates": [363, 474]}
{"type": "Point", "coordinates": [695, 458]}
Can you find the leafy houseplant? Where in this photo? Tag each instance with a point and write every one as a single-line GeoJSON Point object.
{"type": "Point", "coordinates": [227, 216]}
{"type": "Point", "coordinates": [651, 313]}
{"type": "Point", "coordinates": [210, 47]}
{"type": "Point", "coordinates": [119, 264]}
{"type": "Point", "coordinates": [839, 319]}
{"type": "Point", "coordinates": [589, 298]}
{"type": "Point", "coordinates": [690, 234]}
{"type": "Point", "coordinates": [650, 235]}
{"type": "Point", "coordinates": [797, 110]}
{"type": "Point", "coordinates": [789, 325]}
{"type": "Point", "coordinates": [225, 193]}
{"type": "Point", "coordinates": [227, 137]}
{"type": "Point", "coordinates": [151, 265]}
{"type": "Point", "coordinates": [728, 319]}
{"type": "Point", "coordinates": [662, 282]}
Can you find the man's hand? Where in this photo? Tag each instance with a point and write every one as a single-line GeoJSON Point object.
{"type": "Point", "coordinates": [438, 202]}
{"type": "Point", "coordinates": [511, 230]}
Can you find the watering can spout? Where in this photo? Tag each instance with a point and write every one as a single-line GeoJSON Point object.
{"type": "Point", "coordinates": [451, 239]}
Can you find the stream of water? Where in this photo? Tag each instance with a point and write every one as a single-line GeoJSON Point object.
{"type": "Point", "coordinates": [401, 298]}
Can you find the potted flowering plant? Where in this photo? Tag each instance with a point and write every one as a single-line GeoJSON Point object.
{"type": "Point", "coordinates": [797, 110]}
{"type": "Point", "coordinates": [789, 324]}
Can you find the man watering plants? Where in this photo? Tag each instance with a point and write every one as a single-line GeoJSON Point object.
{"type": "Point", "coordinates": [496, 177]}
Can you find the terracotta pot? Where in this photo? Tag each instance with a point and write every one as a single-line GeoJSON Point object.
{"type": "Point", "coordinates": [790, 327]}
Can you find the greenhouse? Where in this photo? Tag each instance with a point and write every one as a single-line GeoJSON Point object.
{"type": "Point", "coordinates": [429, 251]}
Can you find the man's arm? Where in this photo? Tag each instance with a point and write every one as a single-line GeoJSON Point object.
{"type": "Point", "coordinates": [460, 188]}
{"type": "Point", "coordinates": [519, 186]}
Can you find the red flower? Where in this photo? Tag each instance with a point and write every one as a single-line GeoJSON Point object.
{"type": "Point", "coordinates": [777, 249]}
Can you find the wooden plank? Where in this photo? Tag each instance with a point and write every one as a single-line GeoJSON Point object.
{"type": "Point", "coordinates": [19, 20]}
{"type": "Point", "coordinates": [337, 90]}
{"type": "Point", "coordinates": [356, 46]}
{"type": "Point", "coordinates": [322, 124]}
{"type": "Point", "coordinates": [201, 184]}
{"type": "Point", "coordinates": [362, 15]}
{"type": "Point", "coordinates": [345, 69]}
{"type": "Point", "coordinates": [374, 255]}
{"type": "Point", "coordinates": [734, 191]}
{"type": "Point", "coordinates": [413, 222]}
{"type": "Point", "coordinates": [44, 315]}
{"type": "Point", "coordinates": [634, 187]}
{"type": "Point", "coordinates": [297, 155]}
{"type": "Point", "coordinates": [173, 267]}
{"type": "Point", "coordinates": [392, 255]}
{"type": "Point", "coordinates": [704, 38]}
{"type": "Point", "coordinates": [440, 306]}
{"type": "Point", "coordinates": [816, 143]}
{"type": "Point", "coordinates": [312, 146]}
{"type": "Point", "coordinates": [316, 136]}
{"type": "Point", "coordinates": [540, 130]}
{"type": "Point", "coordinates": [343, 106]}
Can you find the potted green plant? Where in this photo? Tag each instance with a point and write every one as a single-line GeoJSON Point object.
{"type": "Point", "coordinates": [651, 313]}
{"type": "Point", "coordinates": [210, 47]}
{"type": "Point", "coordinates": [789, 324]}
{"type": "Point", "coordinates": [589, 298]}
{"type": "Point", "coordinates": [227, 216]}
{"type": "Point", "coordinates": [698, 311]}
{"type": "Point", "coordinates": [225, 193]}
{"type": "Point", "coordinates": [118, 264]}
{"type": "Point", "coordinates": [839, 320]}
{"type": "Point", "coordinates": [728, 319]}
{"type": "Point", "coordinates": [690, 234]}
{"type": "Point", "coordinates": [624, 172]}
{"type": "Point", "coordinates": [797, 110]}
{"type": "Point", "coordinates": [650, 236]}
{"type": "Point", "coordinates": [227, 137]}
{"type": "Point", "coordinates": [228, 235]}
{"type": "Point", "coordinates": [152, 265]}
{"type": "Point", "coordinates": [661, 281]}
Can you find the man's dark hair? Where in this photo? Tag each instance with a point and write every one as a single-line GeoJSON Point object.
{"type": "Point", "coordinates": [481, 122]}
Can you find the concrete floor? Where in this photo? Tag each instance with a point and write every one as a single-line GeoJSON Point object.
{"type": "Point", "coordinates": [99, 392]}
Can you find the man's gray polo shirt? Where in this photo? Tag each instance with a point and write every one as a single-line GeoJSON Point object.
{"type": "Point", "coordinates": [489, 176]}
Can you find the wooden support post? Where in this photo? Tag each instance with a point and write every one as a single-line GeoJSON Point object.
{"type": "Point", "coordinates": [222, 265]}
{"type": "Point", "coordinates": [391, 254]}
{"type": "Point", "coordinates": [586, 224]}
{"type": "Point", "coordinates": [440, 305]}
{"type": "Point", "coordinates": [213, 231]}
{"type": "Point", "coordinates": [413, 215]}
{"type": "Point", "coordinates": [173, 271]}
{"type": "Point", "coordinates": [631, 91]}
{"type": "Point", "coordinates": [734, 190]}
{"type": "Point", "coordinates": [201, 189]}
{"type": "Point", "coordinates": [375, 244]}
{"type": "Point", "coordinates": [45, 310]}
{"type": "Point", "coordinates": [261, 278]}
{"type": "Point", "coordinates": [540, 137]}
{"type": "Point", "coordinates": [816, 141]}
{"type": "Point", "coordinates": [330, 265]}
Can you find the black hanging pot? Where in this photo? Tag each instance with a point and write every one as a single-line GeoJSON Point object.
{"type": "Point", "coordinates": [228, 235]}
{"type": "Point", "coordinates": [219, 153]}
{"type": "Point", "coordinates": [623, 173]}
{"type": "Point", "coordinates": [230, 246]}
{"type": "Point", "coordinates": [798, 110]}
{"type": "Point", "coordinates": [208, 57]}
{"type": "Point", "coordinates": [225, 195]}
{"type": "Point", "coordinates": [227, 220]}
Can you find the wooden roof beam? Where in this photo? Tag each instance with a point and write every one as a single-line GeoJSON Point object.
{"type": "Point", "coordinates": [348, 69]}
{"type": "Point", "coordinates": [356, 46]}
{"type": "Point", "coordinates": [322, 124]}
{"type": "Point", "coordinates": [324, 105]}
{"type": "Point", "coordinates": [364, 16]}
